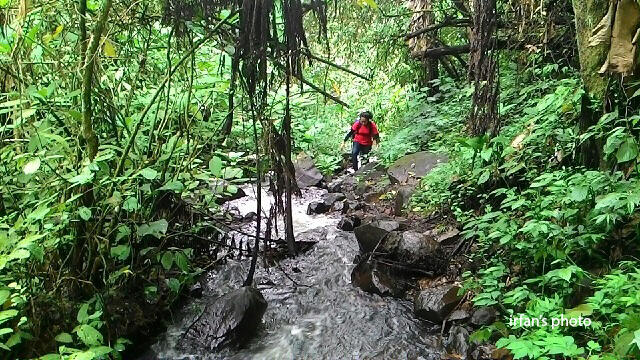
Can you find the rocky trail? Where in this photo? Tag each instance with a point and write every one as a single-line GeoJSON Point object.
{"type": "Point", "coordinates": [377, 283]}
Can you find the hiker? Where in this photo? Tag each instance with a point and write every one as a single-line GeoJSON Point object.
{"type": "Point", "coordinates": [363, 132]}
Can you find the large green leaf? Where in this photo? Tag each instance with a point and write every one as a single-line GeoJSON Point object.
{"type": "Point", "coordinates": [215, 166]}
{"type": "Point", "coordinates": [89, 335]}
{"type": "Point", "coordinates": [156, 228]}
{"type": "Point", "coordinates": [628, 150]}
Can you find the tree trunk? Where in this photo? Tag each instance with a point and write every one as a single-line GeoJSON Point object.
{"type": "Point", "coordinates": [588, 14]}
{"type": "Point", "coordinates": [483, 70]}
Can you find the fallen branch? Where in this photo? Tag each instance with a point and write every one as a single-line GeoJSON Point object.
{"type": "Point", "coordinates": [464, 49]}
{"type": "Point", "coordinates": [445, 23]}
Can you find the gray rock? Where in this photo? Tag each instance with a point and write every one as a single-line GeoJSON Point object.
{"type": "Point", "coordinates": [317, 207]}
{"type": "Point", "coordinates": [349, 223]}
{"type": "Point", "coordinates": [230, 319]}
{"type": "Point", "coordinates": [436, 303]}
{"type": "Point", "coordinates": [403, 196]}
{"type": "Point", "coordinates": [340, 206]}
{"type": "Point", "coordinates": [196, 290]}
{"type": "Point", "coordinates": [306, 172]}
{"type": "Point", "coordinates": [414, 247]}
{"type": "Point", "coordinates": [458, 342]}
{"type": "Point", "coordinates": [331, 198]}
{"type": "Point", "coordinates": [458, 315]}
{"type": "Point", "coordinates": [335, 186]}
{"type": "Point", "coordinates": [411, 167]}
{"type": "Point", "coordinates": [484, 316]}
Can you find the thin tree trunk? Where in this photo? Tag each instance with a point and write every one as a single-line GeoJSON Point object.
{"type": "Point", "coordinates": [87, 83]}
{"type": "Point", "coordinates": [228, 121]}
{"type": "Point", "coordinates": [286, 132]}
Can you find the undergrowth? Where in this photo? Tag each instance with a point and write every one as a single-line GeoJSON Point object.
{"type": "Point", "coordinates": [550, 239]}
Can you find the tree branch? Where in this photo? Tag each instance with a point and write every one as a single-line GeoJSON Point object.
{"type": "Point", "coordinates": [310, 55]}
{"type": "Point", "coordinates": [446, 23]}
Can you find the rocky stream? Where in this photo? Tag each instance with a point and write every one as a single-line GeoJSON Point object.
{"type": "Point", "coordinates": [376, 284]}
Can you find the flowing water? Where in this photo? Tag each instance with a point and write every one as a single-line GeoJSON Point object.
{"type": "Point", "coordinates": [314, 312]}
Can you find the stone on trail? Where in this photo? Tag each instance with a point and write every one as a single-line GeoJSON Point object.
{"type": "Point", "coordinates": [230, 319]}
{"type": "Point", "coordinates": [484, 316]}
{"type": "Point", "coordinates": [348, 223]}
{"type": "Point", "coordinates": [317, 207]}
{"type": "Point", "coordinates": [410, 168]}
{"type": "Point", "coordinates": [331, 198]}
{"type": "Point", "coordinates": [306, 172]}
{"type": "Point", "coordinates": [436, 303]}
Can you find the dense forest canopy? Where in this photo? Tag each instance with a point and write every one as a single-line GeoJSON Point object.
{"type": "Point", "coordinates": [125, 126]}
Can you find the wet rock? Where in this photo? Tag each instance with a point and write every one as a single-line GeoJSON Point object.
{"type": "Point", "coordinates": [389, 225]}
{"type": "Point", "coordinates": [250, 216]}
{"type": "Point", "coordinates": [340, 206]}
{"type": "Point", "coordinates": [356, 205]}
{"type": "Point", "coordinates": [335, 186]}
{"type": "Point", "coordinates": [230, 319]}
{"type": "Point", "coordinates": [459, 315]}
{"type": "Point", "coordinates": [229, 194]}
{"type": "Point", "coordinates": [331, 198]}
{"type": "Point", "coordinates": [306, 172]}
{"type": "Point", "coordinates": [415, 247]}
{"type": "Point", "coordinates": [484, 316]}
{"type": "Point", "coordinates": [368, 236]}
{"type": "Point", "coordinates": [317, 207]}
{"type": "Point", "coordinates": [411, 167]}
{"type": "Point", "coordinates": [458, 342]}
{"type": "Point", "coordinates": [348, 223]}
{"type": "Point", "coordinates": [446, 238]}
{"type": "Point", "coordinates": [375, 278]}
{"type": "Point", "coordinates": [436, 303]}
{"type": "Point", "coordinates": [403, 196]}
{"type": "Point", "coordinates": [486, 351]}
{"type": "Point", "coordinates": [196, 290]}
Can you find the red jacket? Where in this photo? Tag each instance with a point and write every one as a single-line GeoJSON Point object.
{"type": "Point", "coordinates": [364, 134]}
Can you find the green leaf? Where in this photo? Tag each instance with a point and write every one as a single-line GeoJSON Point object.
{"type": "Point", "coordinates": [84, 212]}
{"type": "Point", "coordinates": [174, 285]}
{"type": "Point", "coordinates": [89, 335]}
{"type": "Point", "coordinates": [372, 4]}
{"type": "Point", "coordinates": [83, 313]}
{"type": "Point", "coordinates": [175, 186]}
{"type": "Point", "coordinates": [484, 177]}
{"type": "Point", "coordinates": [82, 178]}
{"type": "Point", "coordinates": [121, 252]}
{"type": "Point", "coordinates": [156, 228]}
{"type": "Point", "coordinates": [131, 204]}
{"type": "Point", "coordinates": [4, 295]}
{"type": "Point", "coordinates": [149, 173]}
{"type": "Point", "coordinates": [64, 338]}
{"type": "Point", "coordinates": [181, 261]}
{"type": "Point", "coordinates": [232, 173]}
{"type": "Point", "coordinates": [167, 260]}
{"type": "Point", "coordinates": [580, 310]}
{"type": "Point", "coordinates": [32, 166]}
{"type": "Point", "coordinates": [215, 166]}
{"type": "Point", "coordinates": [628, 150]}
{"type": "Point", "coordinates": [7, 314]}
{"type": "Point", "coordinates": [19, 254]}
{"type": "Point", "coordinates": [579, 193]}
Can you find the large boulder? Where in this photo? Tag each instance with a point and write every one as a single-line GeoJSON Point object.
{"type": "Point", "coordinates": [484, 316]}
{"type": "Point", "coordinates": [410, 168]}
{"type": "Point", "coordinates": [403, 196]}
{"type": "Point", "coordinates": [231, 319]}
{"type": "Point", "coordinates": [331, 198]}
{"type": "Point", "coordinates": [306, 172]}
{"type": "Point", "coordinates": [434, 304]}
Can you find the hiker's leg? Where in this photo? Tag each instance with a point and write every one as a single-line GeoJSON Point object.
{"type": "Point", "coordinates": [355, 150]}
{"type": "Point", "coordinates": [364, 150]}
